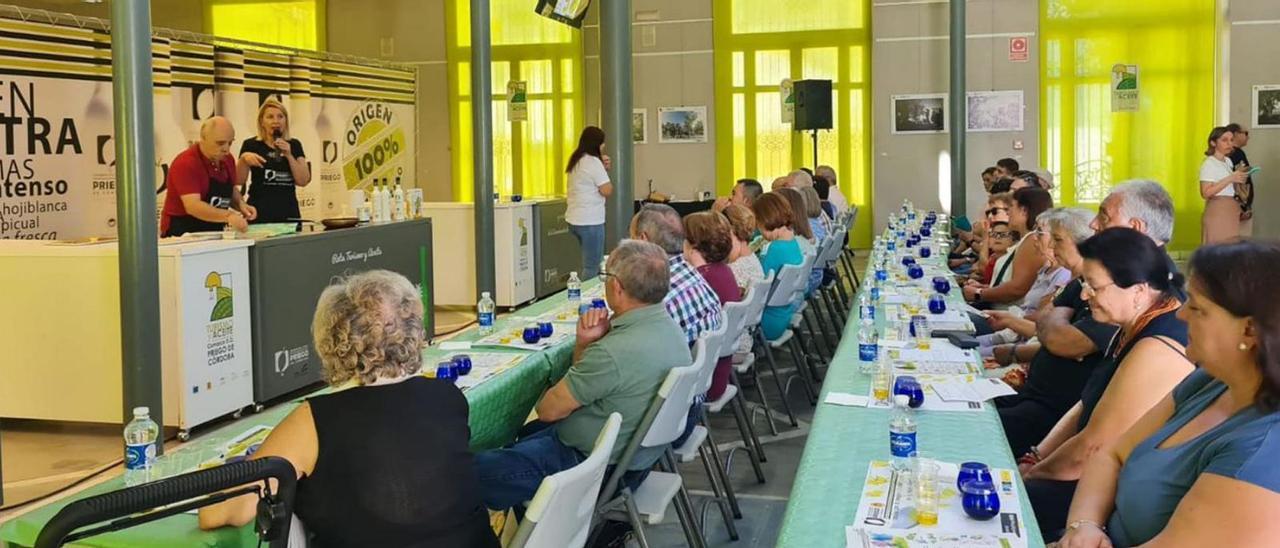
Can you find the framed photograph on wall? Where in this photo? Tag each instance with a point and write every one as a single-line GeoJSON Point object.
{"type": "Point", "coordinates": [682, 124]}
{"type": "Point", "coordinates": [923, 113]}
{"type": "Point", "coordinates": [640, 126]}
{"type": "Point", "coordinates": [1266, 106]}
{"type": "Point", "coordinates": [994, 111]}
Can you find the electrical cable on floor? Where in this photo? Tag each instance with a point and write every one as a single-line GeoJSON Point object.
{"type": "Point", "coordinates": [92, 474]}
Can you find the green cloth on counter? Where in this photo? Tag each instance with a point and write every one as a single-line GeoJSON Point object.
{"type": "Point", "coordinates": [499, 407]}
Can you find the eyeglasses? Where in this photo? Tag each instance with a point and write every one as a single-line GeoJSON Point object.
{"type": "Point", "coordinates": [996, 210]}
{"type": "Point", "coordinates": [1001, 235]}
{"type": "Point", "coordinates": [1085, 287]}
{"type": "Point", "coordinates": [609, 275]}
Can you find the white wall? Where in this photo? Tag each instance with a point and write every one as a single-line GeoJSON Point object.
{"type": "Point", "coordinates": [910, 56]}
{"type": "Point", "coordinates": [1254, 51]}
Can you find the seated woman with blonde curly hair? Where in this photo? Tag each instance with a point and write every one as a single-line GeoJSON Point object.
{"type": "Point", "coordinates": [383, 460]}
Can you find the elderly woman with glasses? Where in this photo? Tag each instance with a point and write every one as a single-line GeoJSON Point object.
{"type": "Point", "coordinates": [1127, 283]}
{"type": "Point", "coordinates": [384, 459]}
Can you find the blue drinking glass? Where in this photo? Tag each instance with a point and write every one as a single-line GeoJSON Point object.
{"type": "Point", "coordinates": [925, 252]}
{"type": "Point", "coordinates": [972, 471]}
{"type": "Point", "coordinates": [598, 303]}
{"type": "Point", "coordinates": [926, 230]}
{"type": "Point", "coordinates": [462, 364]}
{"type": "Point", "coordinates": [941, 284]}
{"type": "Point", "coordinates": [545, 329]}
{"type": "Point", "coordinates": [915, 271]}
{"type": "Point", "coordinates": [908, 260]}
{"type": "Point", "coordinates": [910, 243]}
{"type": "Point", "coordinates": [980, 500]}
{"type": "Point", "coordinates": [937, 304]}
{"type": "Point", "coordinates": [900, 384]}
{"type": "Point", "coordinates": [915, 395]}
{"type": "Point", "coordinates": [446, 372]}
{"type": "Point", "coordinates": [531, 335]}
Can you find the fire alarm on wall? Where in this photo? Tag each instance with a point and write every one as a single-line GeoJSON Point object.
{"type": "Point", "coordinates": [1017, 144]}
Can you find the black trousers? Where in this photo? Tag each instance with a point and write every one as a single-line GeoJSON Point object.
{"type": "Point", "coordinates": [1026, 422]}
{"type": "Point", "coordinates": [1051, 501]}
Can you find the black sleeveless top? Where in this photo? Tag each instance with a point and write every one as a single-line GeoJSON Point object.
{"type": "Point", "coordinates": [394, 469]}
{"type": "Point", "coordinates": [1166, 325]}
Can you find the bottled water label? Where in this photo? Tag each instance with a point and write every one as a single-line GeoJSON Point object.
{"type": "Point", "coordinates": [575, 294]}
{"type": "Point", "coordinates": [139, 456]}
{"type": "Point", "coordinates": [868, 312]}
{"type": "Point", "coordinates": [875, 292]}
{"type": "Point", "coordinates": [868, 352]}
{"type": "Point", "coordinates": [902, 444]}
{"type": "Point", "coordinates": [486, 319]}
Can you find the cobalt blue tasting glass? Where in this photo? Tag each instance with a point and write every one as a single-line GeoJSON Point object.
{"type": "Point", "coordinates": [908, 386]}
{"type": "Point", "coordinates": [908, 260]}
{"type": "Point", "coordinates": [545, 329]}
{"type": "Point", "coordinates": [941, 284]}
{"type": "Point", "coordinates": [462, 364]}
{"type": "Point", "coordinates": [937, 304]}
{"type": "Point", "coordinates": [925, 252]}
{"type": "Point", "coordinates": [915, 271]}
{"type": "Point", "coordinates": [926, 231]}
{"type": "Point", "coordinates": [598, 303]}
{"type": "Point", "coordinates": [531, 335]}
{"type": "Point", "coordinates": [972, 471]}
{"type": "Point", "coordinates": [980, 500]}
{"type": "Point", "coordinates": [445, 371]}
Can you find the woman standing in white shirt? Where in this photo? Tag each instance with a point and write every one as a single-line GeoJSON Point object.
{"type": "Point", "coordinates": [588, 187]}
{"type": "Point", "coordinates": [1218, 179]}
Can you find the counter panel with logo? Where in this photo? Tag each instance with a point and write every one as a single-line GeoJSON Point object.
{"type": "Point", "coordinates": [290, 272]}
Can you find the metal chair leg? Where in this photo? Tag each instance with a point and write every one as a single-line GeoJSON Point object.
{"type": "Point", "coordinates": [802, 369]}
{"type": "Point", "coordinates": [684, 508]}
{"type": "Point", "coordinates": [749, 439]}
{"type": "Point", "coordinates": [777, 380]}
{"type": "Point", "coordinates": [637, 524]}
{"type": "Point", "coordinates": [826, 338]}
{"type": "Point", "coordinates": [802, 342]}
{"type": "Point", "coordinates": [730, 496]}
{"type": "Point", "coordinates": [726, 511]}
{"type": "Point", "coordinates": [764, 402]}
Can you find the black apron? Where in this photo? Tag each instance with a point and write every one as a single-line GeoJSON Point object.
{"type": "Point", "coordinates": [218, 195]}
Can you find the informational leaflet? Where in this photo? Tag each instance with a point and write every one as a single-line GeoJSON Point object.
{"type": "Point", "coordinates": [940, 350]}
{"type": "Point", "coordinates": [932, 402]}
{"type": "Point", "coordinates": [484, 366]}
{"type": "Point", "coordinates": [886, 512]}
{"type": "Point", "coordinates": [971, 389]}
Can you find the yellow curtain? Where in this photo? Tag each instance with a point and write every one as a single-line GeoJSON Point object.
{"type": "Point", "coordinates": [528, 156]}
{"type": "Point", "coordinates": [292, 23]}
{"type": "Point", "coordinates": [1088, 147]}
{"type": "Point", "coordinates": [758, 43]}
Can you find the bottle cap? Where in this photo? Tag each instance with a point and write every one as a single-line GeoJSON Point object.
{"type": "Point", "coordinates": [484, 294]}
{"type": "Point", "coordinates": [573, 273]}
{"type": "Point", "coordinates": [901, 400]}
{"type": "Point", "coordinates": [141, 411]}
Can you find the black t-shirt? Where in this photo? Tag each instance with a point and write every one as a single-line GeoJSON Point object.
{"type": "Point", "coordinates": [271, 187]}
{"type": "Point", "coordinates": [1058, 382]}
{"type": "Point", "coordinates": [1166, 325]}
{"type": "Point", "coordinates": [1238, 157]}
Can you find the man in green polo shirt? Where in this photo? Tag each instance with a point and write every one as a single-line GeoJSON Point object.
{"type": "Point", "coordinates": [619, 363]}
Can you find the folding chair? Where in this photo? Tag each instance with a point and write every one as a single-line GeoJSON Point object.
{"type": "Point", "coordinates": [561, 511]}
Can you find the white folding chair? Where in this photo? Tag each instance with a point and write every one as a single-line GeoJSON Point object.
{"type": "Point", "coordinates": [700, 442]}
{"type": "Point", "coordinates": [757, 297]}
{"type": "Point", "coordinates": [788, 289]}
{"type": "Point", "coordinates": [561, 511]}
{"type": "Point", "coordinates": [663, 422]}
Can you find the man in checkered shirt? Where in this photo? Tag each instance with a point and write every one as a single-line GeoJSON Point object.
{"type": "Point", "coordinates": [691, 302]}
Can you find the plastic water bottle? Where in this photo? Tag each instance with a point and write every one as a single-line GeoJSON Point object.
{"type": "Point", "coordinates": [866, 309]}
{"type": "Point", "coordinates": [575, 289]}
{"type": "Point", "coordinates": [868, 342]}
{"type": "Point", "coordinates": [484, 312]}
{"type": "Point", "coordinates": [139, 447]}
{"type": "Point", "coordinates": [902, 433]}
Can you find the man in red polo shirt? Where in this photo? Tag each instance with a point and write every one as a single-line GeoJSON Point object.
{"type": "Point", "coordinates": [201, 192]}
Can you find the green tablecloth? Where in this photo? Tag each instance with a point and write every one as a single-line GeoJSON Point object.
{"type": "Point", "coordinates": [844, 440]}
{"type": "Point", "coordinates": [499, 408]}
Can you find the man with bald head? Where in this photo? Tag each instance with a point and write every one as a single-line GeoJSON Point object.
{"type": "Point", "coordinates": [201, 194]}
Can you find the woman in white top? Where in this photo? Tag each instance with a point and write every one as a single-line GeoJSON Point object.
{"type": "Point", "coordinates": [588, 187]}
{"type": "Point", "coordinates": [1218, 180]}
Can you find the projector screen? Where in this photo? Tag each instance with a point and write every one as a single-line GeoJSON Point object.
{"type": "Point", "coordinates": [569, 12]}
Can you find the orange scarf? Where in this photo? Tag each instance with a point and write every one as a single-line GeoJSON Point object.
{"type": "Point", "coordinates": [1165, 305]}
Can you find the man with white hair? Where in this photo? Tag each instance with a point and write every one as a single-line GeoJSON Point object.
{"type": "Point", "coordinates": [836, 198]}
{"type": "Point", "coordinates": [800, 179]}
{"type": "Point", "coordinates": [690, 302]}
{"type": "Point", "coordinates": [201, 194]}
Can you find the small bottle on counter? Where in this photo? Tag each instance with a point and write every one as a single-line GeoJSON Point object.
{"type": "Point", "coordinates": [574, 289]}
{"type": "Point", "coordinates": [140, 447]}
{"type": "Point", "coordinates": [398, 208]}
{"type": "Point", "coordinates": [484, 313]}
{"type": "Point", "coordinates": [375, 204]}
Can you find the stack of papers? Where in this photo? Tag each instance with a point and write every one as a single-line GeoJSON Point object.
{"type": "Point", "coordinates": [971, 389]}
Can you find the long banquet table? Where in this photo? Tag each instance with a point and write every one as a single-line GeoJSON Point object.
{"type": "Point", "coordinates": [499, 407]}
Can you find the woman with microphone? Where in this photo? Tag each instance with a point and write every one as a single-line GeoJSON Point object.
{"type": "Point", "coordinates": [275, 163]}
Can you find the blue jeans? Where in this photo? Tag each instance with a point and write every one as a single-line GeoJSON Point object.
{"type": "Point", "coordinates": [591, 240]}
{"type": "Point", "coordinates": [510, 476]}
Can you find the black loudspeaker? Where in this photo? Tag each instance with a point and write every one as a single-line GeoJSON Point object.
{"type": "Point", "coordinates": [813, 104]}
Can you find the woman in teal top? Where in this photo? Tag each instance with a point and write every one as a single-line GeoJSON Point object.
{"type": "Point", "coordinates": [773, 215]}
{"type": "Point", "coordinates": [1200, 468]}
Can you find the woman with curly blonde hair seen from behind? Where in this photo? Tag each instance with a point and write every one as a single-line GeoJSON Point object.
{"type": "Point", "coordinates": [383, 460]}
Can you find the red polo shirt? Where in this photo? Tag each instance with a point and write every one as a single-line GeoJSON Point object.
{"type": "Point", "coordinates": [190, 173]}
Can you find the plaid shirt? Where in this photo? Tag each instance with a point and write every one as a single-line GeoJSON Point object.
{"type": "Point", "coordinates": [691, 302]}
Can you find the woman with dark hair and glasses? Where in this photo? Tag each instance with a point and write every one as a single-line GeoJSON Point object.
{"type": "Point", "coordinates": [588, 187]}
{"type": "Point", "coordinates": [1014, 278]}
{"type": "Point", "coordinates": [1127, 283]}
{"type": "Point", "coordinates": [1199, 468]}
